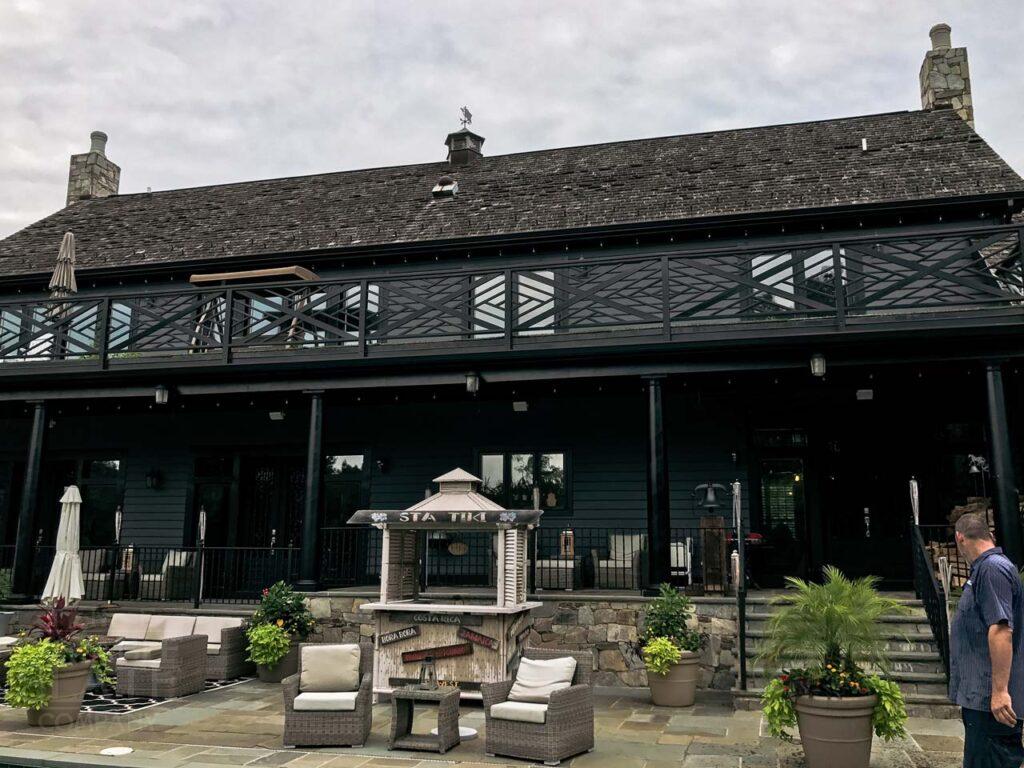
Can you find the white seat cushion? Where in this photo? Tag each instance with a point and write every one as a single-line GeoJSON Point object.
{"type": "Point", "coordinates": [130, 626]}
{"type": "Point", "coordinates": [520, 711]}
{"type": "Point", "coordinates": [211, 626]}
{"type": "Point", "coordinates": [213, 649]}
{"type": "Point", "coordinates": [143, 653]}
{"type": "Point", "coordinates": [143, 663]}
{"type": "Point", "coordinates": [622, 547]}
{"type": "Point", "coordinates": [133, 645]}
{"type": "Point", "coordinates": [322, 701]}
{"type": "Point", "coordinates": [161, 627]}
{"type": "Point", "coordinates": [329, 667]}
{"type": "Point", "coordinates": [7, 640]}
{"type": "Point", "coordinates": [537, 679]}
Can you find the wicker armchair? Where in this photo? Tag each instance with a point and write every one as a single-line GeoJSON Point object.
{"type": "Point", "coordinates": [227, 653]}
{"type": "Point", "coordinates": [568, 728]}
{"type": "Point", "coordinates": [334, 728]}
{"type": "Point", "coordinates": [179, 671]}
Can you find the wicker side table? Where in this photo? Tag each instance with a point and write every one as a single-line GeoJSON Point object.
{"type": "Point", "coordinates": [403, 704]}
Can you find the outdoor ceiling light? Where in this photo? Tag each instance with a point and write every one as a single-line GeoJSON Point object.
{"type": "Point", "coordinates": [276, 415]}
{"type": "Point", "coordinates": [818, 364]}
{"type": "Point", "coordinates": [520, 406]}
{"type": "Point", "coordinates": [161, 394]}
{"type": "Point", "coordinates": [472, 383]}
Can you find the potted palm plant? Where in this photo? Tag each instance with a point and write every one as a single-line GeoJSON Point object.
{"type": "Point", "coordinates": [280, 623]}
{"type": "Point", "coordinates": [669, 649]}
{"type": "Point", "coordinates": [48, 677]}
{"type": "Point", "coordinates": [834, 702]}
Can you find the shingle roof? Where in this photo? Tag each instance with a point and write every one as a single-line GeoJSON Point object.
{"type": "Point", "coordinates": [911, 156]}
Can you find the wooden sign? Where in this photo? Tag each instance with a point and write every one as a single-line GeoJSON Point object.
{"type": "Point", "coordinates": [475, 637]}
{"type": "Point", "coordinates": [523, 635]}
{"type": "Point", "coordinates": [441, 652]}
{"type": "Point", "coordinates": [398, 635]}
{"type": "Point", "coordinates": [448, 618]}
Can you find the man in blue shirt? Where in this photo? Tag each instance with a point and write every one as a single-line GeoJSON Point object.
{"type": "Point", "coordinates": [986, 670]}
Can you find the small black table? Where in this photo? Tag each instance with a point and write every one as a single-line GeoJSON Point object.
{"type": "Point", "coordinates": [403, 704]}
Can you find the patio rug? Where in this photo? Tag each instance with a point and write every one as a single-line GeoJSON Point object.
{"type": "Point", "coordinates": [109, 703]}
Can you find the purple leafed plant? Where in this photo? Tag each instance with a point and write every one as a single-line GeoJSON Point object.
{"type": "Point", "coordinates": [57, 622]}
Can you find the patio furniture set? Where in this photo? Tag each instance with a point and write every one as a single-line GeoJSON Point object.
{"type": "Point", "coordinates": [168, 656]}
{"type": "Point", "coordinates": [545, 713]}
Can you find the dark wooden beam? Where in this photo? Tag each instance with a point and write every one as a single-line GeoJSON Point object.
{"type": "Point", "coordinates": [21, 577]}
{"type": "Point", "coordinates": [659, 525]}
{"type": "Point", "coordinates": [1006, 499]}
{"type": "Point", "coordinates": [308, 576]}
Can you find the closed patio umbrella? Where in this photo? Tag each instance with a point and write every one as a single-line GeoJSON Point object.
{"type": "Point", "coordinates": [65, 578]}
{"type": "Point", "coordinates": [199, 553]}
{"type": "Point", "coordinates": [62, 282]}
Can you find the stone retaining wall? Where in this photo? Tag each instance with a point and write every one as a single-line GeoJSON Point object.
{"type": "Point", "coordinates": [609, 626]}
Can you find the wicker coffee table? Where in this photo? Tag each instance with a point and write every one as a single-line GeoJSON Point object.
{"type": "Point", "coordinates": [403, 704]}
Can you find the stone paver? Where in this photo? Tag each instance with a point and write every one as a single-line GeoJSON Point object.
{"type": "Point", "coordinates": [242, 726]}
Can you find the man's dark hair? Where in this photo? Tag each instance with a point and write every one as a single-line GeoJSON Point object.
{"type": "Point", "coordinates": [974, 525]}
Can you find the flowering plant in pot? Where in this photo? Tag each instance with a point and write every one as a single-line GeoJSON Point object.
{"type": "Point", "coordinates": [48, 677]}
{"type": "Point", "coordinates": [835, 703]}
{"type": "Point", "coordinates": [669, 649]}
{"type": "Point", "coordinates": [280, 623]}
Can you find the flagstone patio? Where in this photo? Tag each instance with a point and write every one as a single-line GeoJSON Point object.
{"type": "Point", "coordinates": [242, 726]}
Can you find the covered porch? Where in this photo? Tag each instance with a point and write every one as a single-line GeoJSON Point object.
{"type": "Point", "coordinates": [620, 464]}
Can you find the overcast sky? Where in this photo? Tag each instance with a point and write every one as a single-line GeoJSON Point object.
{"type": "Point", "coordinates": [195, 93]}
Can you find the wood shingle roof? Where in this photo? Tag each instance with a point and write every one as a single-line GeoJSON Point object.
{"type": "Point", "coordinates": [911, 156]}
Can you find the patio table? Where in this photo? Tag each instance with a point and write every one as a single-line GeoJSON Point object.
{"type": "Point", "coordinates": [403, 703]}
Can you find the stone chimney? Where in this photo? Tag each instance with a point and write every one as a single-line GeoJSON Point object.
{"type": "Point", "coordinates": [945, 79]}
{"type": "Point", "coordinates": [464, 147]}
{"type": "Point", "coordinates": [92, 174]}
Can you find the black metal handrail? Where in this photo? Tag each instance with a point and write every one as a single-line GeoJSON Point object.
{"type": "Point", "coordinates": [664, 296]}
{"type": "Point", "coordinates": [928, 590]}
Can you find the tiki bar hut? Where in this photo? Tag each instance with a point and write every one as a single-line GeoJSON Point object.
{"type": "Point", "coordinates": [469, 642]}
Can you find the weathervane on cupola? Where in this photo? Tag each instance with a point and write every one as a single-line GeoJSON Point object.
{"type": "Point", "coordinates": [467, 117]}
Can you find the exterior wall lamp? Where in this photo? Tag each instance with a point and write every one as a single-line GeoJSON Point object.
{"type": "Point", "coordinates": [818, 365]}
{"type": "Point", "coordinates": [161, 394]}
{"type": "Point", "coordinates": [154, 479]}
{"type": "Point", "coordinates": [472, 383]}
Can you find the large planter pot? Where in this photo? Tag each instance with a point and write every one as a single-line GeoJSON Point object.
{"type": "Point", "coordinates": [836, 732]}
{"type": "Point", "coordinates": [5, 622]}
{"type": "Point", "coordinates": [65, 698]}
{"type": "Point", "coordinates": [679, 687]}
{"type": "Point", "coordinates": [289, 665]}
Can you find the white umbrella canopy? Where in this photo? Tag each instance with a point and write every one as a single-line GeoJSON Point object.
{"type": "Point", "coordinates": [915, 501]}
{"type": "Point", "coordinates": [65, 579]}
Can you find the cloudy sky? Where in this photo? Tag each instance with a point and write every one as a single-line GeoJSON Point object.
{"type": "Point", "coordinates": [196, 93]}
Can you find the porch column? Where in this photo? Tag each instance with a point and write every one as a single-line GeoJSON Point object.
{"type": "Point", "coordinates": [1004, 492]}
{"type": "Point", "coordinates": [658, 516]}
{"type": "Point", "coordinates": [21, 576]}
{"type": "Point", "coordinates": [309, 565]}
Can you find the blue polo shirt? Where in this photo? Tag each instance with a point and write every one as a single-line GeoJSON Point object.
{"type": "Point", "coordinates": [992, 595]}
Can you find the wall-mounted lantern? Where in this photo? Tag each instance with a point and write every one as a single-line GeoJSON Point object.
{"type": "Point", "coordinates": [161, 394]}
{"type": "Point", "coordinates": [154, 479]}
{"type": "Point", "coordinates": [818, 365]}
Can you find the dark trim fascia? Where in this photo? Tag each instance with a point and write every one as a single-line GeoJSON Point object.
{"type": "Point", "coordinates": [553, 237]}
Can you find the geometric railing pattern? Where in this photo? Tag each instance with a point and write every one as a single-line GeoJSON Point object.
{"type": "Point", "coordinates": [666, 296]}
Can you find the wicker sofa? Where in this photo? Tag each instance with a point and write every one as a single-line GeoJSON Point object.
{"type": "Point", "coordinates": [548, 732]}
{"type": "Point", "coordinates": [226, 656]}
{"type": "Point", "coordinates": [176, 668]}
{"type": "Point", "coordinates": [319, 713]}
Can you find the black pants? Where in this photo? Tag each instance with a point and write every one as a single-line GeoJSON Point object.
{"type": "Point", "coordinates": [990, 744]}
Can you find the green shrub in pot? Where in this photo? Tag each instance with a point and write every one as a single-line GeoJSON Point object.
{"type": "Point", "coordinates": [268, 644]}
{"type": "Point", "coordinates": [669, 649]}
{"type": "Point", "coordinates": [837, 626]}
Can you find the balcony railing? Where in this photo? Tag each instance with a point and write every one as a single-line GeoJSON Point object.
{"type": "Point", "coordinates": [648, 297]}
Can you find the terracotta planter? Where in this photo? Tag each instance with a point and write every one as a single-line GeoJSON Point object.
{"type": "Point", "coordinates": [679, 687]}
{"type": "Point", "coordinates": [65, 698]}
{"type": "Point", "coordinates": [836, 732]}
{"type": "Point", "coordinates": [289, 665]}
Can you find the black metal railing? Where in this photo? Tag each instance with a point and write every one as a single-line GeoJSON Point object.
{"type": "Point", "coordinates": [670, 295]}
{"type": "Point", "coordinates": [931, 594]}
